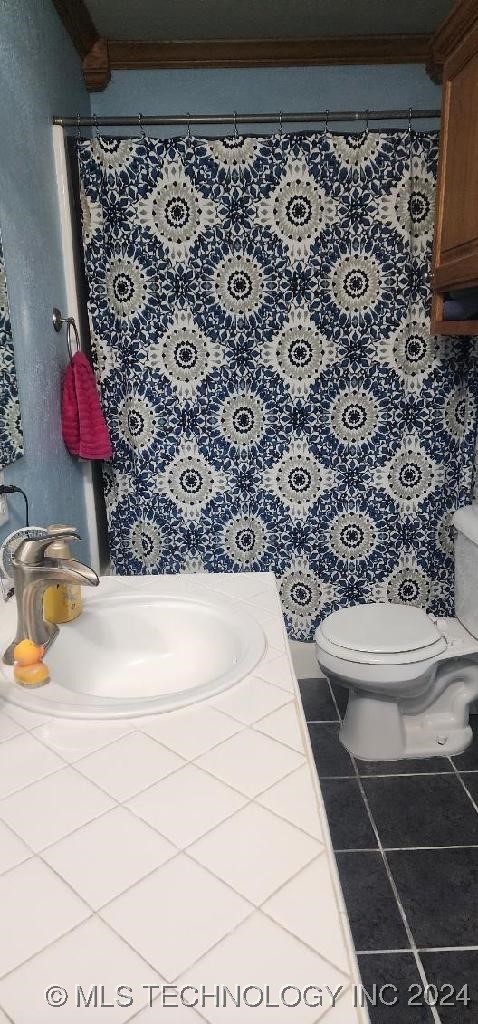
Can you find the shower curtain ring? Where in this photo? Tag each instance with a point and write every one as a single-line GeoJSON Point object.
{"type": "Point", "coordinates": [409, 120]}
{"type": "Point", "coordinates": [141, 126]}
{"type": "Point", "coordinates": [78, 132]}
{"type": "Point", "coordinates": [97, 127]}
{"type": "Point", "coordinates": [281, 129]}
{"type": "Point", "coordinates": [188, 133]}
{"type": "Point", "coordinates": [366, 121]}
{"type": "Point", "coordinates": [236, 133]}
{"type": "Point", "coordinates": [326, 125]}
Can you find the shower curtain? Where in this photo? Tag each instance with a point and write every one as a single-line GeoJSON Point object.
{"type": "Point", "coordinates": [259, 311]}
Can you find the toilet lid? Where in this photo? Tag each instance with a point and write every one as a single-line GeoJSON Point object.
{"type": "Point", "coordinates": [380, 629]}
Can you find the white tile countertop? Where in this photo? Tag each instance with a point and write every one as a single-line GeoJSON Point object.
{"type": "Point", "coordinates": [185, 852]}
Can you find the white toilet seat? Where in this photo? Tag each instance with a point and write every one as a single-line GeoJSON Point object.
{"type": "Point", "coordinates": [411, 678]}
{"type": "Point", "coordinates": [381, 634]}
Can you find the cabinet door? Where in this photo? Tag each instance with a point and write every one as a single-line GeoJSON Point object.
{"type": "Point", "coordinates": [456, 244]}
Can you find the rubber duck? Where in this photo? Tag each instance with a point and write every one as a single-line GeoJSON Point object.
{"type": "Point", "coordinates": [29, 669]}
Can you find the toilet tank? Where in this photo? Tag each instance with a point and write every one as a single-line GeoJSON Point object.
{"type": "Point", "coordinates": [466, 567]}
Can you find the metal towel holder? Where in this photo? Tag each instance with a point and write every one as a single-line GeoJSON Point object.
{"type": "Point", "coordinates": [58, 320]}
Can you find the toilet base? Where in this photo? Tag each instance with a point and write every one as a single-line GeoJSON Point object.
{"type": "Point", "coordinates": [376, 729]}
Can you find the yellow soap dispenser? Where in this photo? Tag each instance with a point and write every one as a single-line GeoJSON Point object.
{"type": "Point", "coordinates": [62, 602]}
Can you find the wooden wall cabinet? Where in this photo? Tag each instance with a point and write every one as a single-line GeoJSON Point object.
{"type": "Point", "coordinates": [455, 259]}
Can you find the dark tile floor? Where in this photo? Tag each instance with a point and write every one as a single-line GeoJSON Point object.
{"type": "Point", "coordinates": [405, 835]}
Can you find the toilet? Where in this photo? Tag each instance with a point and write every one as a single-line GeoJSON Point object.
{"type": "Point", "coordinates": [411, 676]}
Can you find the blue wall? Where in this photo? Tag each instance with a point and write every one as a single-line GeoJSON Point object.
{"type": "Point", "coordinates": [39, 75]}
{"type": "Point", "coordinates": [266, 89]}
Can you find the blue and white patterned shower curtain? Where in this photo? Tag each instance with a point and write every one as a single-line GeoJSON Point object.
{"type": "Point", "coordinates": [259, 309]}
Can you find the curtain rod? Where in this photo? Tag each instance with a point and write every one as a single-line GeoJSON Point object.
{"type": "Point", "coordinates": [281, 117]}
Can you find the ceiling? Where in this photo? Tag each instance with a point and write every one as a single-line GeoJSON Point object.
{"type": "Point", "coordinates": [265, 19]}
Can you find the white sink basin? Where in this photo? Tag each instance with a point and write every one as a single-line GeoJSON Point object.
{"type": "Point", "coordinates": [142, 645]}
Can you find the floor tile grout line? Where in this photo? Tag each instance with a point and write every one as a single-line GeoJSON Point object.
{"type": "Point", "coordinates": [401, 909]}
{"type": "Point", "coordinates": [336, 706]}
{"type": "Point", "coordinates": [387, 869]}
{"type": "Point", "coordinates": [411, 849]}
{"type": "Point", "coordinates": [322, 721]}
{"type": "Point", "coordinates": [447, 949]}
{"type": "Point", "coordinates": [463, 784]}
{"type": "Point", "coordinates": [358, 849]}
{"type": "Point", "coordinates": [393, 775]}
{"type": "Point", "coordinates": [406, 775]}
{"type": "Point", "coordinates": [421, 949]}
{"type": "Point", "coordinates": [384, 952]}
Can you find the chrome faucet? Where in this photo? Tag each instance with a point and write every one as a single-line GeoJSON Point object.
{"type": "Point", "coordinates": [33, 572]}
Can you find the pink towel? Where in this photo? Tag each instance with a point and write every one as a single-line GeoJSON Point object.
{"type": "Point", "coordinates": [82, 421]}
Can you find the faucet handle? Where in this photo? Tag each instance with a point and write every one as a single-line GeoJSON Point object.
{"type": "Point", "coordinates": [32, 552]}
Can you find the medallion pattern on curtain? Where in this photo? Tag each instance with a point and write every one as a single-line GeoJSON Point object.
{"type": "Point", "coordinates": [11, 435]}
{"type": "Point", "coordinates": [259, 309]}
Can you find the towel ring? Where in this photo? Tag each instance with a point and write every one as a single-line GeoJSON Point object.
{"type": "Point", "coordinates": [71, 327]}
{"type": "Point", "coordinates": [58, 320]}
